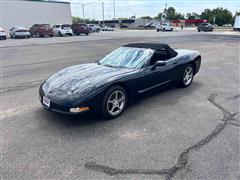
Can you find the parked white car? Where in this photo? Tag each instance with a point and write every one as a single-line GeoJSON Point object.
{"type": "Point", "coordinates": [227, 25]}
{"type": "Point", "coordinates": [107, 28]}
{"type": "Point", "coordinates": [62, 30]}
{"type": "Point", "coordinates": [94, 27]}
{"type": "Point", "coordinates": [19, 32]}
{"type": "Point", "coordinates": [2, 34]}
{"type": "Point", "coordinates": [164, 27]}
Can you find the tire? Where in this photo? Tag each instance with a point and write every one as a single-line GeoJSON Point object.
{"type": "Point", "coordinates": [60, 34]}
{"type": "Point", "coordinates": [110, 100]}
{"type": "Point", "coordinates": [86, 34]}
{"type": "Point", "coordinates": [187, 76]}
{"type": "Point", "coordinates": [157, 30]}
{"type": "Point", "coordinates": [199, 30]}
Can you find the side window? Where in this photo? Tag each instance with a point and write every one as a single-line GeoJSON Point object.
{"type": "Point", "coordinates": [160, 55]}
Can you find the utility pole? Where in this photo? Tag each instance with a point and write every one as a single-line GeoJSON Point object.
{"type": "Point", "coordinates": [114, 13]}
{"type": "Point", "coordinates": [103, 11]}
{"type": "Point", "coordinates": [83, 13]}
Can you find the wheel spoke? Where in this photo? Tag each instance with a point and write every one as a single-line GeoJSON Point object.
{"type": "Point", "coordinates": [111, 101]}
{"type": "Point", "coordinates": [121, 99]}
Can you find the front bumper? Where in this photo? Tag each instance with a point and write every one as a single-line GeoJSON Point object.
{"type": "Point", "coordinates": [3, 36]}
{"type": "Point", "coordinates": [59, 108]}
{"type": "Point", "coordinates": [22, 34]}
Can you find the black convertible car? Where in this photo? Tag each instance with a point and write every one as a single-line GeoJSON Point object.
{"type": "Point", "coordinates": [108, 84]}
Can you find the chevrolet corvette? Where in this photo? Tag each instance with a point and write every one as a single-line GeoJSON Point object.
{"type": "Point", "coordinates": [109, 84]}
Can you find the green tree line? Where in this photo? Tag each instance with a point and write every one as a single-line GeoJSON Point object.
{"type": "Point", "coordinates": [217, 16]}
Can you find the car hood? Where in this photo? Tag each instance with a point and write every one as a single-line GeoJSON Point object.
{"type": "Point", "coordinates": [81, 79]}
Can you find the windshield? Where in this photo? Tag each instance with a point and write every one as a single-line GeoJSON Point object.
{"type": "Point", "coordinates": [66, 26]}
{"type": "Point", "coordinates": [127, 57]}
{"type": "Point", "coordinates": [20, 28]}
{"type": "Point", "coordinates": [45, 25]}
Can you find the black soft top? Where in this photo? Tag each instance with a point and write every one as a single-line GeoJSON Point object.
{"type": "Point", "coordinates": [154, 46]}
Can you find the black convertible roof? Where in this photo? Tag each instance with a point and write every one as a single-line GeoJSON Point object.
{"type": "Point", "coordinates": [155, 46]}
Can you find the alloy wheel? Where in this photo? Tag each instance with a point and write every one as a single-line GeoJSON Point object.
{"type": "Point", "coordinates": [116, 103]}
{"type": "Point", "coordinates": [188, 76]}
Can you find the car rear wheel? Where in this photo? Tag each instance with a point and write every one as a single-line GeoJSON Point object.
{"type": "Point", "coordinates": [187, 76]}
{"type": "Point", "coordinates": [60, 34]}
{"type": "Point", "coordinates": [114, 102]}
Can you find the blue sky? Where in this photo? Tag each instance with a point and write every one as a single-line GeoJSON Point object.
{"type": "Point", "coordinates": [127, 8]}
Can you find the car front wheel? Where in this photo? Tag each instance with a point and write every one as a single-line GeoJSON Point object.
{"type": "Point", "coordinates": [187, 76]}
{"type": "Point", "coordinates": [114, 102]}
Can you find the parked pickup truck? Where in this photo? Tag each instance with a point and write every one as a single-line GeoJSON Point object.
{"type": "Point", "coordinates": [164, 27]}
{"type": "Point", "coordinates": [236, 26]}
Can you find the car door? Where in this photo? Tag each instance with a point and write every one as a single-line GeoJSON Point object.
{"type": "Point", "coordinates": [55, 30]}
{"type": "Point", "coordinates": [159, 75]}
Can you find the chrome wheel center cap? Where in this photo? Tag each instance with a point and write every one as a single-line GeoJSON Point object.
{"type": "Point", "coordinates": [116, 103]}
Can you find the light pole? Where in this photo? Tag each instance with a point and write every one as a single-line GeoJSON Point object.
{"type": "Point", "coordinates": [103, 12]}
{"type": "Point", "coordinates": [83, 13]}
{"type": "Point", "coordinates": [114, 13]}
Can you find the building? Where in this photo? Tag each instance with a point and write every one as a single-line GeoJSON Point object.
{"type": "Point", "coordinates": [28, 12]}
{"type": "Point", "coordinates": [130, 23]}
{"type": "Point", "coordinates": [188, 22]}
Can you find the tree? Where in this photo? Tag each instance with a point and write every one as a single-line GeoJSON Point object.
{"type": "Point", "coordinates": [80, 20]}
{"type": "Point", "coordinates": [146, 17]}
{"type": "Point", "coordinates": [159, 16]}
{"type": "Point", "coordinates": [221, 16]}
{"type": "Point", "coordinates": [171, 14]}
{"type": "Point", "coordinates": [77, 19]}
{"type": "Point", "coordinates": [192, 15]}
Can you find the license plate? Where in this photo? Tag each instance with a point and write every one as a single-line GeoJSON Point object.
{"type": "Point", "coordinates": [46, 101]}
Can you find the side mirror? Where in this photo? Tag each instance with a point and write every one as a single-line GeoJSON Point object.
{"type": "Point", "coordinates": [158, 63]}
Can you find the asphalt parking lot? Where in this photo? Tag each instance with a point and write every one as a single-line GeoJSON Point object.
{"type": "Point", "coordinates": [190, 133]}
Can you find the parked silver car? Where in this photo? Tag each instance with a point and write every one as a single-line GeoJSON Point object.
{"type": "Point", "coordinates": [19, 31]}
{"type": "Point", "coordinates": [2, 34]}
